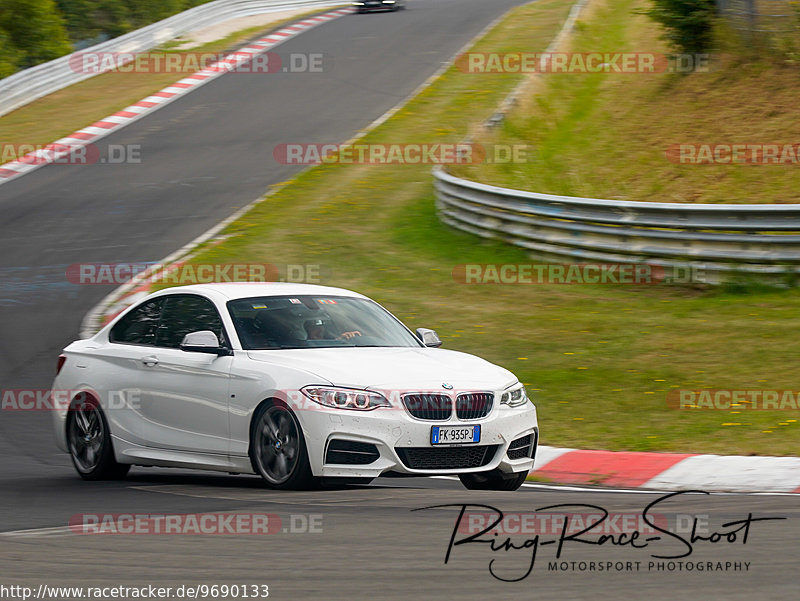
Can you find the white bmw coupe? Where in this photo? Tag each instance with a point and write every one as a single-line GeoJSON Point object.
{"type": "Point", "coordinates": [293, 382]}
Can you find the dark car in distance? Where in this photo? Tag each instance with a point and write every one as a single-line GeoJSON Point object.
{"type": "Point", "coordinates": [363, 6]}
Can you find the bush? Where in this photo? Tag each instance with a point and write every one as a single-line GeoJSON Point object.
{"type": "Point", "coordinates": [103, 19]}
{"type": "Point", "coordinates": [689, 24]}
{"type": "Point", "coordinates": [35, 29]}
{"type": "Point", "coordinates": [9, 56]}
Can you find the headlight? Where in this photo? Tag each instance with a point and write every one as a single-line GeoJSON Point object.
{"type": "Point", "coordinates": [514, 396]}
{"type": "Point", "coordinates": [345, 398]}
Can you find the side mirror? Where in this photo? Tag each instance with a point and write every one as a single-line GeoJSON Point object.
{"type": "Point", "coordinates": [429, 337]}
{"type": "Point", "coordinates": [204, 341]}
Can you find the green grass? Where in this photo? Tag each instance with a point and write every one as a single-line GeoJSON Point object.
{"type": "Point", "coordinates": [606, 135]}
{"type": "Point", "coordinates": [598, 360]}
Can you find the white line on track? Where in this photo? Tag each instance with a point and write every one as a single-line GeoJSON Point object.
{"type": "Point", "coordinates": [38, 532]}
{"type": "Point", "coordinates": [635, 491]}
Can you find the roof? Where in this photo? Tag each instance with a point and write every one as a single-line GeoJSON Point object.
{"type": "Point", "coordinates": [234, 290]}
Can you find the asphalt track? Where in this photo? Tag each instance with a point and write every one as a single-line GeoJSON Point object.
{"type": "Point", "coordinates": [203, 157]}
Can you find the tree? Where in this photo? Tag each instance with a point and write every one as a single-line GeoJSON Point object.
{"type": "Point", "coordinates": [9, 56]}
{"type": "Point", "coordinates": [89, 19]}
{"type": "Point", "coordinates": [35, 29]}
{"type": "Point", "coordinates": [689, 23]}
{"type": "Point", "coordinates": [82, 19]}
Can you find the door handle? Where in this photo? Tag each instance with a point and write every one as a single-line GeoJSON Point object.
{"type": "Point", "coordinates": [150, 361]}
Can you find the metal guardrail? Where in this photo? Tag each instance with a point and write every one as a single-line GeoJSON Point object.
{"type": "Point", "coordinates": [761, 16]}
{"type": "Point", "coordinates": [717, 240]}
{"type": "Point", "coordinates": [30, 84]}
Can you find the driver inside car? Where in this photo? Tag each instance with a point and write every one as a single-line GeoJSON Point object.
{"type": "Point", "coordinates": [317, 329]}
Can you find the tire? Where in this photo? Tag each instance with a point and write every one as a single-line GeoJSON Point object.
{"type": "Point", "coordinates": [493, 480]}
{"type": "Point", "coordinates": [278, 449]}
{"type": "Point", "coordinates": [89, 442]}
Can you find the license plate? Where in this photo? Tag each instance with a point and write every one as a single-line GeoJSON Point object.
{"type": "Point", "coordinates": [455, 434]}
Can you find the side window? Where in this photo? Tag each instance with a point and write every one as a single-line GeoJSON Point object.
{"type": "Point", "coordinates": [184, 313]}
{"type": "Point", "coordinates": [140, 325]}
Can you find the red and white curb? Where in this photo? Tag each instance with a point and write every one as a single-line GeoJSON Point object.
{"type": "Point", "coordinates": [67, 145]}
{"type": "Point", "coordinates": [668, 471]}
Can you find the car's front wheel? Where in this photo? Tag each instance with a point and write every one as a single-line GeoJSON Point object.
{"type": "Point", "coordinates": [278, 450]}
{"type": "Point", "coordinates": [89, 442]}
{"type": "Point", "coordinates": [493, 480]}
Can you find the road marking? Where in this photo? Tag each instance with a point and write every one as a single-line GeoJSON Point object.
{"type": "Point", "coordinates": [635, 491]}
{"type": "Point", "coordinates": [38, 532]}
{"type": "Point", "coordinates": [275, 497]}
{"type": "Point", "coordinates": [654, 492]}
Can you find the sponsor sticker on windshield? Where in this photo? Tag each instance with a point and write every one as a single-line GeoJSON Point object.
{"type": "Point", "coordinates": [261, 306]}
{"type": "Point", "coordinates": [326, 301]}
{"type": "Point", "coordinates": [295, 301]}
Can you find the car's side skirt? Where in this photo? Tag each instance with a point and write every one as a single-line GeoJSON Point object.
{"type": "Point", "coordinates": [127, 452]}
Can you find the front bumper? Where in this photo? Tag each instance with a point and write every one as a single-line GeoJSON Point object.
{"type": "Point", "coordinates": [363, 7]}
{"type": "Point", "coordinates": [400, 444]}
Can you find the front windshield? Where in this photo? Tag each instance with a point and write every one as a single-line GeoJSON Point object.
{"type": "Point", "coordinates": [285, 322]}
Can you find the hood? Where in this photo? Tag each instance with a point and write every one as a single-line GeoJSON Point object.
{"type": "Point", "coordinates": [392, 368]}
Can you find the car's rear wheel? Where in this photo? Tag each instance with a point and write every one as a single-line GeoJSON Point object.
{"type": "Point", "coordinates": [278, 449]}
{"type": "Point", "coordinates": [493, 480]}
{"type": "Point", "coordinates": [89, 442]}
